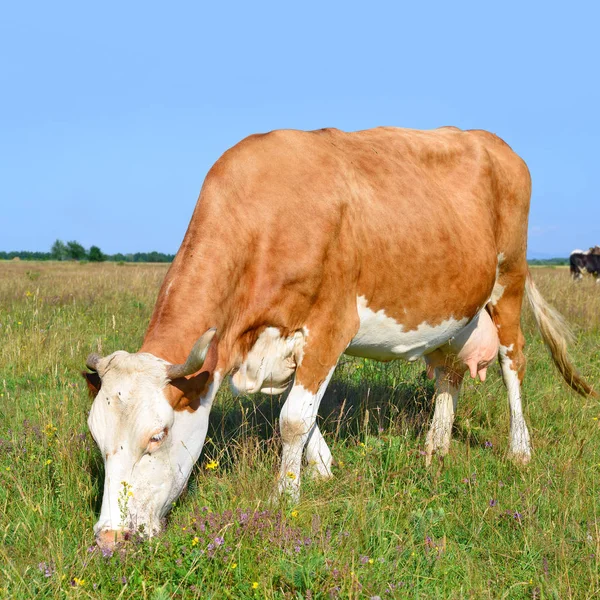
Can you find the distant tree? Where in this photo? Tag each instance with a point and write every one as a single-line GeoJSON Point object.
{"type": "Point", "coordinates": [96, 255]}
{"type": "Point", "coordinates": [58, 250]}
{"type": "Point", "coordinates": [75, 251]}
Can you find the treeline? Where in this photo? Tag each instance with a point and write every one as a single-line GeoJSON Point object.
{"type": "Point", "coordinates": [548, 262]}
{"type": "Point", "coordinates": [75, 251]}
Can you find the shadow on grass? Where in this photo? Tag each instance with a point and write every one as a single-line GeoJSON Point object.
{"type": "Point", "coordinates": [363, 398]}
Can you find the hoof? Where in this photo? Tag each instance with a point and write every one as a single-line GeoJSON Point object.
{"type": "Point", "coordinates": [286, 493]}
{"type": "Point", "coordinates": [439, 453]}
{"type": "Point", "coordinates": [438, 443]}
{"type": "Point", "coordinates": [520, 457]}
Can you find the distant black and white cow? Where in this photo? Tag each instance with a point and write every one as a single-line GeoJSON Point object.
{"type": "Point", "coordinates": [581, 261]}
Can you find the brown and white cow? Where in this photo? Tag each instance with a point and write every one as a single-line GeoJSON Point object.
{"type": "Point", "coordinates": [386, 243]}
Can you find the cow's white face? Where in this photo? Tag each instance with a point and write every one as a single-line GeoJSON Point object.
{"type": "Point", "coordinates": [148, 448]}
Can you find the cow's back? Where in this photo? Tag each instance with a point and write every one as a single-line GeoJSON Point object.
{"type": "Point", "coordinates": [291, 221]}
{"type": "Point", "coordinates": [395, 214]}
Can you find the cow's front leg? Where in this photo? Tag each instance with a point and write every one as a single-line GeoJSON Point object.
{"type": "Point", "coordinates": [447, 388]}
{"type": "Point", "coordinates": [318, 455]}
{"type": "Point", "coordinates": [297, 423]}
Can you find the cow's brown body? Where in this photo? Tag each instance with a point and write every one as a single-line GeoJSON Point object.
{"type": "Point", "coordinates": [386, 243]}
{"type": "Point", "coordinates": [292, 226]}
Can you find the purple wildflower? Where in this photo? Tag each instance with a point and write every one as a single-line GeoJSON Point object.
{"type": "Point", "coordinates": [364, 560]}
{"type": "Point", "coordinates": [219, 541]}
{"type": "Point", "coordinates": [46, 569]}
{"type": "Point", "coordinates": [488, 444]}
{"type": "Point", "coordinates": [493, 502]}
{"type": "Point", "coordinates": [124, 580]}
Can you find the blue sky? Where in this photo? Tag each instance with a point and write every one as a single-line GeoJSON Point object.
{"type": "Point", "coordinates": [112, 113]}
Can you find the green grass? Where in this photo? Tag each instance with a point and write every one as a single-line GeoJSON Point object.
{"type": "Point", "coordinates": [476, 526]}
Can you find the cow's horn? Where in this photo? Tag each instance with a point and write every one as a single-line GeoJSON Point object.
{"type": "Point", "coordinates": [92, 362]}
{"type": "Point", "coordinates": [195, 360]}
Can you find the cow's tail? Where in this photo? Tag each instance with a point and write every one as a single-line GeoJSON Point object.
{"type": "Point", "coordinates": [556, 335]}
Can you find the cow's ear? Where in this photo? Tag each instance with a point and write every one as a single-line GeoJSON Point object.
{"type": "Point", "coordinates": [93, 381]}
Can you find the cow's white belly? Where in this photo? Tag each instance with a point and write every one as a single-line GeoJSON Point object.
{"type": "Point", "coordinates": [382, 338]}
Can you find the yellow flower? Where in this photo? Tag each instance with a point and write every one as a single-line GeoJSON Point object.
{"type": "Point", "coordinates": [212, 465]}
{"type": "Point", "coordinates": [79, 582]}
{"type": "Point", "coordinates": [255, 585]}
{"type": "Point", "coordinates": [28, 294]}
{"type": "Point", "coordinates": [48, 461]}
{"type": "Point", "coordinates": [294, 514]}
{"type": "Point", "coordinates": [50, 429]}
{"type": "Point", "coordinates": [183, 528]}
{"type": "Point", "coordinates": [130, 493]}
{"type": "Point", "coordinates": [371, 561]}
{"type": "Point", "coordinates": [233, 566]}
{"type": "Point", "coordinates": [19, 323]}
{"type": "Point", "coordinates": [8, 468]}
{"type": "Point", "coordinates": [195, 541]}
{"type": "Point", "coordinates": [340, 464]}
{"type": "Point", "coordinates": [361, 444]}
{"type": "Point", "coordinates": [291, 475]}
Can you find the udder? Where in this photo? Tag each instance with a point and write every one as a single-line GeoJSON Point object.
{"type": "Point", "coordinates": [474, 348]}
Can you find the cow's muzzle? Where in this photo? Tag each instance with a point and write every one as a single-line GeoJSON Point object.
{"type": "Point", "coordinates": [107, 539]}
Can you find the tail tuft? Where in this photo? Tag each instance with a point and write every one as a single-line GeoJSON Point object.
{"type": "Point", "coordinates": [556, 335]}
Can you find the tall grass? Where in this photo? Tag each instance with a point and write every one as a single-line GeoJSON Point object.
{"type": "Point", "coordinates": [385, 526]}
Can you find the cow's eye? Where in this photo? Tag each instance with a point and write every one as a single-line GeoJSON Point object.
{"type": "Point", "coordinates": [159, 437]}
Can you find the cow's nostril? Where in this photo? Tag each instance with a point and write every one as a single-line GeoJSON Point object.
{"type": "Point", "coordinates": [107, 539]}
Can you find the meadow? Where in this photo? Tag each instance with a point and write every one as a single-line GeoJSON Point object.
{"type": "Point", "coordinates": [472, 526]}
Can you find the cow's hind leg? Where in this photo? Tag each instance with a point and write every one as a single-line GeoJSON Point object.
{"type": "Point", "coordinates": [447, 389]}
{"type": "Point", "coordinates": [506, 314]}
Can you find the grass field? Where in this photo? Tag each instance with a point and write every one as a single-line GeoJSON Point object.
{"type": "Point", "coordinates": [384, 527]}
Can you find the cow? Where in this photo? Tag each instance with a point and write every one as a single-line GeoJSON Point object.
{"type": "Point", "coordinates": [581, 261]}
{"type": "Point", "coordinates": [386, 244]}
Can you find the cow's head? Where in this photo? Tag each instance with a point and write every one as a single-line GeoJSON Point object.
{"type": "Point", "coordinates": [148, 447]}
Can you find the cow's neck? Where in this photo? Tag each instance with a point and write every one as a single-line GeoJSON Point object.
{"type": "Point", "coordinates": [198, 293]}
